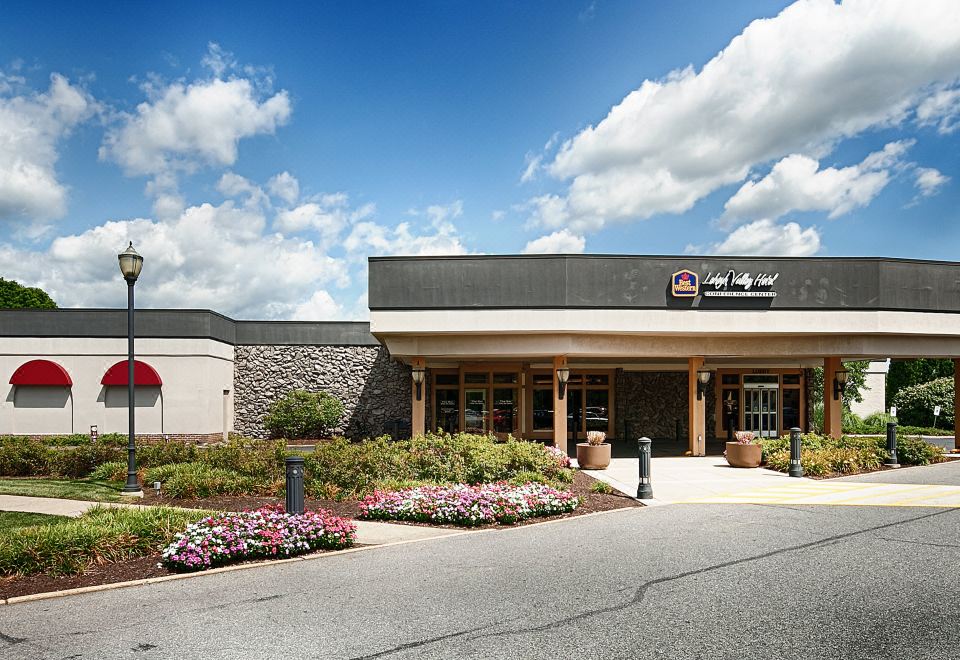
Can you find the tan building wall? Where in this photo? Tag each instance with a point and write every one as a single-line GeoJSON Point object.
{"type": "Point", "coordinates": [196, 396]}
{"type": "Point", "coordinates": [873, 392]}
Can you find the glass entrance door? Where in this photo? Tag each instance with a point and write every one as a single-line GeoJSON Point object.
{"type": "Point", "coordinates": [760, 412]}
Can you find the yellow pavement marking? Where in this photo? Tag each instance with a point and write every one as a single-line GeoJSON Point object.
{"type": "Point", "coordinates": [841, 494]}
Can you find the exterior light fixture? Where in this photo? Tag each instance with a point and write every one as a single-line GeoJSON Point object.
{"type": "Point", "coordinates": [418, 374]}
{"type": "Point", "coordinates": [839, 383]}
{"type": "Point", "coordinates": [563, 375]}
{"type": "Point", "coordinates": [130, 264]}
{"type": "Point", "coordinates": [703, 377]}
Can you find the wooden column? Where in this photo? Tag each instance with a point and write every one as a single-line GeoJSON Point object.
{"type": "Point", "coordinates": [418, 419]}
{"type": "Point", "coordinates": [697, 416]}
{"type": "Point", "coordinates": [832, 408]}
{"type": "Point", "coordinates": [956, 404]}
{"type": "Point", "coordinates": [559, 407]}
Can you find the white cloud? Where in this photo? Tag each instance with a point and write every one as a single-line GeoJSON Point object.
{"type": "Point", "coordinates": [320, 307]}
{"type": "Point", "coordinates": [797, 183]}
{"type": "Point", "coordinates": [328, 215]}
{"type": "Point", "coordinates": [766, 237]}
{"type": "Point", "coordinates": [284, 186]}
{"type": "Point", "coordinates": [559, 242]}
{"type": "Point", "coordinates": [370, 238]}
{"type": "Point", "coordinates": [941, 109]}
{"type": "Point", "coordinates": [31, 127]}
{"type": "Point", "coordinates": [217, 257]}
{"type": "Point", "coordinates": [817, 73]}
{"type": "Point", "coordinates": [929, 180]}
{"type": "Point", "coordinates": [183, 126]}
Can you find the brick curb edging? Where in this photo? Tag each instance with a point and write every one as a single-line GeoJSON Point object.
{"type": "Point", "coordinates": [274, 562]}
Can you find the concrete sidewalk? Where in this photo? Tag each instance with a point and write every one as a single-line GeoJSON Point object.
{"type": "Point", "coordinates": [368, 533]}
{"type": "Point", "coordinates": [682, 478]}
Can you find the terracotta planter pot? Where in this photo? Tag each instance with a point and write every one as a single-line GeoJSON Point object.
{"type": "Point", "coordinates": [743, 456]}
{"type": "Point", "coordinates": [593, 457]}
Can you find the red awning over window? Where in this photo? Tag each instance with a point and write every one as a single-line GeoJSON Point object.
{"type": "Point", "coordinates": [143, 374]}
{"type": "Point", "coordinates": [41, 372]}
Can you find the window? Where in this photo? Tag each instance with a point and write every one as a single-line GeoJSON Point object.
{"type": "Point", "coordinates": [543, 410]}
{"type": "Point", "coordinates": [791, 408]}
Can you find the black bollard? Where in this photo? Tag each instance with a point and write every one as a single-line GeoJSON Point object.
{"type": "Point", "coordinates": [295, 484]}
{"type": "Point", "coordinates": [892, 460]}
{"type": "Point", "coordinates": [796, 468]}
{"type": "Point", "coordinates": [645, 489]}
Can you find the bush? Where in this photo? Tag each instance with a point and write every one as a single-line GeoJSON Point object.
{"type": "Point", "coordinates": [101, 534]}
{"type": "Point", "coordinates": [302, 414]}
{"type": "Point", "coordinates": [357, 469]}
{"type": "Point", "coordinates": [915, 404]}
{"type": "Point", "coordinates": [78, 462]}
{"type": "Point", "coordinates": [877, 422]}
{"type": "Point", "coordinates": [468, 506]}
{"type": "Point", "coordinates": [601, 488]}
{"type": "Point", "coordinates": [193, 480]}
{"type": "Point", "coordinates": [822, 455]}
{"type": "Point", "coordinates": [112, 471]}
{"type": "Point", "coordinates": [22, 457]}
{"type": "Point", "coordinates": [268, 532]}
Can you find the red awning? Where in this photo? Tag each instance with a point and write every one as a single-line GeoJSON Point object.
{"type": "Point", "coordinates": [143, 374]}
{"type": "Point", "coordinates": [41, 372]}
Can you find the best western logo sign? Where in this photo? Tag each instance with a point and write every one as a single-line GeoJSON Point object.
{"type": "Point", "coordinates": [728, 284]}
{"type": "Point", "coordinates": [686, 284]}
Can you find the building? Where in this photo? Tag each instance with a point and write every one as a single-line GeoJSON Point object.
{"type": "Point", "coordinates": [542, 347]}
{"type": "Point", "coordinates": [874, 390]}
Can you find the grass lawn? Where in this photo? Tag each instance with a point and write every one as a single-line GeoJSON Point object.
{"type": "Point", "coordinates": [11, 520]}
{"type": "Point", "coordinates": [71, 489]}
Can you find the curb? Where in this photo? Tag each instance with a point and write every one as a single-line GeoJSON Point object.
{"type": "Point", "coordinates": [15, 600]}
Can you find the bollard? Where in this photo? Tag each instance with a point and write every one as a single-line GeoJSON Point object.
{"type": "Point", "coordinates": [796, 468]}
{"type": "Point", "coordinates": [645, 489]}
{"type": "Point", "coordinates": [892, 460]}
{"type": "Point", "coordinates": [294, 484]}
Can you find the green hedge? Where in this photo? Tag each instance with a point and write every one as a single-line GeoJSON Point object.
{"type": "Point", "coordinates": [302, 414]}
{"type": "Point", "coordinates": [823, 456]}
{"type": "Point", "coordinates": [101, 534]}
{"type": "Point", "coordinates": [915, 404]}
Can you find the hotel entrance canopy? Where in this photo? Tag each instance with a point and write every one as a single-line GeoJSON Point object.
{"type": "Point", "coordinates": [661, 313]}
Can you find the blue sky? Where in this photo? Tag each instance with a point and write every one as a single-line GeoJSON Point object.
{"type": "Point", "coordinates": [257, 155]}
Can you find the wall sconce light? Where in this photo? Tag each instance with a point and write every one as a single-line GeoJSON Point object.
{"type": "Point", "coordinates": [563, 375]}
{"type": "Point", "coordinates": [703, 377]}
{"type": "Point", "coordinates": [839, 383]}
{"type": "Point", "coordinates": [418, 375]}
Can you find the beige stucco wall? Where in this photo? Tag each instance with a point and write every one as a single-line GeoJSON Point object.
{"type": "Point", "coordinates": [874, 391]}
{"type": "Point", "coordinates": [195, 375]}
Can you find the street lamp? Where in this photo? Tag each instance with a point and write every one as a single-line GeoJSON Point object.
{"type": "Point", "coordinates": [130, 265]}
{"type": "Point", "coordinates": [418, 375]}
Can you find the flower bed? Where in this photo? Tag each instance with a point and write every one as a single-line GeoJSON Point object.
{"type": "Point", "coordinates": [264, 533]}
{"type": "Point", "coordinates": [561, 456]}
{"type": "Point", "coordinates": [469, 506]}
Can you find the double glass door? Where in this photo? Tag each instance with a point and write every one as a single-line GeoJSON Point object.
{"type": "Point", "coordinates": [760, 411]}
{"type": "Point", "coordinates": [587, 410]}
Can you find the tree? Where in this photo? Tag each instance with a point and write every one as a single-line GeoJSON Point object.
{"type": "Point", "coordinates": [14, 295]}
{"type": "Point", "coordinates": [856, 382]}
{"type": "Point", "coordinates": [915, 404]}
{"type": "Point", "coordinates": [301, 414]}
{"type": "Point", "coordinates": [906, 373]}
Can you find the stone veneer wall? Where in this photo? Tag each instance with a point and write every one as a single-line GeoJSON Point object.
{"type": "Point", "coordinates": [374, 389]}
{"type": "Point", "coordinates": [653, 401]}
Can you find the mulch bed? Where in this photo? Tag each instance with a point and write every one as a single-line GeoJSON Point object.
{"type": "Point", "coordinates": [146, 567]}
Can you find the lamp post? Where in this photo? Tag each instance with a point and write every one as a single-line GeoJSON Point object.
{"type": "Point", "coordinates": [130, 265]}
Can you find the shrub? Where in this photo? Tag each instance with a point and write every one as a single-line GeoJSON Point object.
{"type": "Point", "coordinates": [193, 480]}
{"type": "Point", "coordinates": [266, 532]}
{"type": "Point", "coordinates": [915, 404]}
{"type": "Point", "coordinates": [112, 471]}
{"type": "Point", "coordinates": [824, 456]}
{"type": "Point", "coordinates": [468, 506]}
{"type": "Point", "coordinates": [877, 422]}
{"type": "Point", "coordinates": [21, 457]}
{"type": "Point", "coordinates": [99, 535]}
{"type": "Point", "coordinates": [77, 462]}
{"type": "Point", "coordinates": [357, 469]}
{"type": "Point", "coordinates": [850, 422]}
{"type": "Point", "coordinates": [302, 414]}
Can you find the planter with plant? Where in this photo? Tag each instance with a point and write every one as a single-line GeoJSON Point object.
{"type": "Point", "coordinates": [594, 454]}
{"type": "Point", "coordinates": [745, 452]}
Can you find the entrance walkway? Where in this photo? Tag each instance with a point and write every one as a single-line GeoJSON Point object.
{"type": "Point", "coordinates": [368, 532]}
{"type": "Point", "coordinates": [680, 478]}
